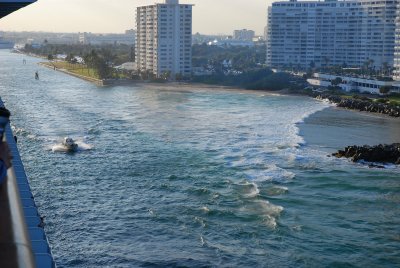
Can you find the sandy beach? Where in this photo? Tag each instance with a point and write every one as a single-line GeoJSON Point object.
{"type": "Point", "coordinates": [335, 128]}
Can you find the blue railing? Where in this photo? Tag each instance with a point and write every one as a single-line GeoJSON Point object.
{"type": "Point", "coordinates": [23, 242]}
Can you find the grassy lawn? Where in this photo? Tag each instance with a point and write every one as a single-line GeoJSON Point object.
{"type": "Point", "coordinates": [346, 96]}
{"type": "Point", "coordinates": [85, 72]}
{"type": "Point", "coordinates": [395, 99]}
{"type": "Point", "coordinates": [79, 69]}
{"type": "Point", "coordinates": [82, 69]}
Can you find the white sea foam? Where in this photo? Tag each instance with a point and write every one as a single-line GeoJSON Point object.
{"type": "Point", "coordinates": [376, 165]}
{"type": "Point", "coordinates": [93, 130]}
{"type": "Point", "coordinates": [270, 221]}
{"type": "Point", "coordinates": [270, 173]}
{"type": "Point", "coordinates": [18, 131]}
{"type": "Point", "coordinates": [277, 190]}
{"type": "Point", "coordinates": [248, 189]}
{"type": "Point", "coordinates": [202, 241]}
{"type": "Point", "coordinates": [269, 209]}
{"type": "Point", "coordinates": [21, 132]}
{"type": "Point", "coordinates": [304, 116]}
{"type": "Point", "coordinates": [264, 209]}
{"type": "Point", "coordinates": [205, 209]}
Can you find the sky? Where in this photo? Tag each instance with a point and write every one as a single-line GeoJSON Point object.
{"type": "Point", "coordinates": [116, 16]}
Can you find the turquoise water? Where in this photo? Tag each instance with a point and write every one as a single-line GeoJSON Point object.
{"type": "Point", "coordinates": [197, 177]}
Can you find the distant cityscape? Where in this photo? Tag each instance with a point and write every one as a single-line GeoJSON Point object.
{"type": "Point", "coordinates": [128, 38]}
{"type": "Point", "coordinates": [354, 40]}
{"type": "Point", "coordinates": [161, 147]}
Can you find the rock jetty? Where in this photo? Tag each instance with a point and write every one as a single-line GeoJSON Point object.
{"type": "Point", "coordinates": [361, 104]}
{"type": "Point", "coordinates": [375, 154]}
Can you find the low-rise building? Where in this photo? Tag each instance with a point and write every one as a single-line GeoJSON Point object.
{"type": "Point", "coordinates": [127, 38]}
{"type": "Point", "coordinates": [229, 42]}
{"type": "Point", "coordinates": [353, 84]}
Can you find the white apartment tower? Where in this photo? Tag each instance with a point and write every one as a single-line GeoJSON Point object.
{"type": "Point", "coordinates": [396, 71]}
{"type": "Point", "coordinates": [349, 33]}
{"type": "Point", "coordinates": [164, 39]}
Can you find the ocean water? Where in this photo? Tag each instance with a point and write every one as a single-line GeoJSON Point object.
{"type": "Point", "coordinates": [179, 176]}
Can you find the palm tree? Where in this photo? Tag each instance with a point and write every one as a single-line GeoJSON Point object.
{"type": "Point", "coordinates": [368, 65]}
{"type": "Point", "coordinates": [371, 64]}
{"type": "Point", "coordinates": [337, 81]}
{"type": "Point", "coordinates": [326, 61]}
{"type": "Point", "coordinates": [312, 65]}
{"type": "Point", "coordinates": [385, 68]}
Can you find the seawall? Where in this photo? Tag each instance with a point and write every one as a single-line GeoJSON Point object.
{"type": "Point", "coordinates": [98, 82]}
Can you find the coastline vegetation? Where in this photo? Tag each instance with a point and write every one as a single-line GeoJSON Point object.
{"type": "Point", "coordinates": [86, 60]}
{"type": "Point", "coordinates": [241, 67]}
{"type": "Point", "coordinates": [79, 69]}
{"type": "Point", "coordinates": [258, 79]}
{"type": "Point", "coordinates": [236, 58]}
{"type": "Point", "coordinates": [115, 54]}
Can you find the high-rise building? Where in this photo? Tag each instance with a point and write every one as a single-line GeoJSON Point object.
{"type": "Point", "coordinates": [396, 69]}
{"type": "Point", "coordinates": [244, 35]}
{"type": "Point", "coordinates": [164, 39]}
{"type": "Point", "coordinates": [353, 33]}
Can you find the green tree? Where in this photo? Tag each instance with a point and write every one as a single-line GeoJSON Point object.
{"type": "Point", "coordinates": [385, 68]}
{"type": "Point", "coordinates": [368, 66]}
{"type": "Point", "coordinates": [69, 58]}
{"type": "Point", "coordinates": [166, 75]}
{"type": "Point", "coordinates": [337, 81]}
{"type": "Point", "coordinates": [312, 65]}
{"type": "Point", "coordinates": [326, 61]}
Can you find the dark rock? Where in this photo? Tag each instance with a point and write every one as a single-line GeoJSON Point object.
{"type": "Point", "coordinates": [381, 153]}
{"type": "Point", "coordinates": [360, 104]}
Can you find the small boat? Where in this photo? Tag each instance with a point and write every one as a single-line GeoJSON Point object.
{"type": "Point", "coordinates": [70, 144]}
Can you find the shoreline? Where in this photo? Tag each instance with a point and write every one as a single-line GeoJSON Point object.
{"type": "Point", "coordinates": [361, 105]}
{"type": "Point", "coordinates": [284, 92]}
{"type": "Point", "coordinates": [192, 85]}
{"type": "Point", "coordinates": [97, 82]}
{"type": "Point", "coordinates": [335, 128]}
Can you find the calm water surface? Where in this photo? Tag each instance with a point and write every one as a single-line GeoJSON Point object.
{"type": "Point", "coordinates": [200, 178]}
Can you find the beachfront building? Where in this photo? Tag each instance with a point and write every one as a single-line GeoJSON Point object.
{"type": "Point", "coordinates": [353, 83]}
{"type": "Point", "coordinates": [396, 69]}
{"type": "Point", "coordinates": [352, 33]}
{"type": "Point", "coordinates": [164, 39]}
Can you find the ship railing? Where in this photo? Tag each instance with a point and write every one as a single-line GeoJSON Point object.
{"type": "Point", "coordinates": [15, 245]}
